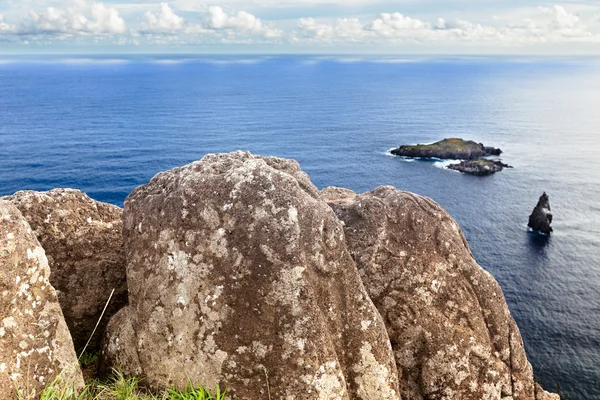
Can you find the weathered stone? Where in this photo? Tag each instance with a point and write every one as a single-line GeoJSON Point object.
{"type": "Point", "coordinates": [541, 217]}
{"type": "Point", "coordinates": [239, 275]}
{"type": "Point", "coordinates": [83, 241]}
{"type": "Point", "coordinates": [449, 324]}
{"type": "Point", "coordinates": [541, 394]}
{"type": "Point", "coordinates": [35, 345]}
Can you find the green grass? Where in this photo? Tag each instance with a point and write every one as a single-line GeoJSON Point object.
{"type": "Point", "coordinates": [88, 359]}
{"type": "Point", "coordinates": [122, 387]}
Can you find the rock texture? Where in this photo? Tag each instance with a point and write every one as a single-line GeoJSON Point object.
{"type": "Point", "coordinates": [239, 274]}
{"type": "Point", "coordinates": [450, 328]}
{"type": "Point", "coordinates": [541, 394]}
{"type": "Point", "coordinates": [541, 218]}
{"type": "Point", "coordinates": [83, 241]}
{"type": "Point", "coordinates": [479, 167]}
{"type": "Point", "coordinates": [35, 345]}
{"type": "Point", "coordinates": [447, 149]}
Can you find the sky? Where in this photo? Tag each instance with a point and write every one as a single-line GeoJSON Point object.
{"type": "Point", "coordinates": [300, 26]}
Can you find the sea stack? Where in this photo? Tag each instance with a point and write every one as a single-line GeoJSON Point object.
{"type": "Point", "coordinates": [541, 218]}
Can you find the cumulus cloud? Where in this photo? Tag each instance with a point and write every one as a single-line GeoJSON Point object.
{"type": "Point", "coordinates": [561, 26]}
{"type": "Point", "coordinates": [6, 28]}
{"type": "Point", "coordinates": [244, 22]}
{"type": "Point", "coordinates": [235, 28]}
{"type": "Point", "coordinates": [164, 21]}
{"type": "Point", "coordinates": [95, 19]}
{"type": "Point", "coordinates": [396, 24]}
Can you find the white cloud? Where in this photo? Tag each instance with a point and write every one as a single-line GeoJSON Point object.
{"type": "Point", "coordinates": [396, 24]}
{"type": "Point", "coordinates": [165, 21]}
{"type": "Point", "coordinates": [6, 28]}
{"type": "Point", "coordinates": [562, 26]}
{"type": "Point", "coordinates": [562, 19]}
{"type": "Point", "coordinates": [310, 28]}
{"type": "Point", "coordinates": [170, 23]}
{"type": "Point", "coordinates": [236, 28]}
{"type": "Point", "coordinates": [242, 22]}
{"type": "Point", "coordinates": [94, 18]}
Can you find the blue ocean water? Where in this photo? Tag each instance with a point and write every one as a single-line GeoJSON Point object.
{"type": "Point", "coordinates": [107, 124]}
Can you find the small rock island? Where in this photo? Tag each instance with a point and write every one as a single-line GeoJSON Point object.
{"type": "Point", "coordinates": [541, 218]}
{"type": "Point", "coordinates": [471, 153]}
{"type": "Point", "coordinates": [447, 149]}
{"type": "Point", "coordinates": [479, 167]}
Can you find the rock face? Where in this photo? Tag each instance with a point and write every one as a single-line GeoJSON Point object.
{"type": "Point", "coordinates": [541, 218]}
{"type": "Point", "coordinates": [239, 274]}
{"type": "Point", "coordinates": [450, 327]}
{"type": "Point", "coordinates": [541, 394]}
{"type": "Point", "coordinates": [447, 149]}
{"type": "Point", "coordinates": [479, 167]}
{"type": "Point", "coordinates": [83, 241]}
{"type": "Point", "coordinates": [35, 344]}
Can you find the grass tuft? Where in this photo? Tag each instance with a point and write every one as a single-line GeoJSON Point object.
{"type": "Point", "coordinates": [192, 392]}
{"type": "Point", "coordinates": [123, 387]}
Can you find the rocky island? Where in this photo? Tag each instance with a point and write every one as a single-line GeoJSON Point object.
{"type": "Point", "coordinates": [472, 154]}
{"type": "Point", "coordinates": [240, 272]}
{"type": "Point", "coordinates": [541, 218]}
{"type": "Point", "coordinates": [480, 167]}
{"type": "Point", "coordinates": [447, 149]}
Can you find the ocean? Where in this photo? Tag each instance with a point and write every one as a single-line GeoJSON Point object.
{"type": "Point", "coordinates": [106, 124]}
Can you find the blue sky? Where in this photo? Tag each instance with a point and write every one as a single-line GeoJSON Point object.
{"type": "Point", "coordinates": [301, 26]}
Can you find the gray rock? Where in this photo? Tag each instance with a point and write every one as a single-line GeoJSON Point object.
{"type": "Point", "coordinates": [449, 324]}
{"type": "Point", "coordinates": [239, 275]}
{"type": "Point", "coordinates": [83, 241]}
{"type": "Point", "coordinates": [541, 217]}
{"type": "Point", "coordinates": [35, 345]}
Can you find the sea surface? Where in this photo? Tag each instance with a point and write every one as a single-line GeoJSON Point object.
{"type": "Point", "coordinates": [106, 124]}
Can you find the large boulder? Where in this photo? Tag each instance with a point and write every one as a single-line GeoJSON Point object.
{"type": "Point", "coordinates": [35, 345]}
{"type": "Point", "coordinates": [448, 321]}
{"type": "Point", "coordinates": [239, 275]}
{"type": "Point", "coordinates": [83, 242]}
{"type": "Point", "coordinates": [541, 217]}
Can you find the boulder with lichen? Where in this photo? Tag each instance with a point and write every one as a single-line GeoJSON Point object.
{"type": "Point", "coordinates": [36, 349]}
{"type": "Point", "coordinates": [449, 324]}
{"type": "Point", "coordinates": [83, 241]}
{"type": "Point", "coordinates": [239, 275]}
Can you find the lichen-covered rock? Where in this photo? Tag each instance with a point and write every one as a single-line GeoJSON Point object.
{"type": "Point", "coordinates": [83, 242]}
{"type": "Point", "coordinates": [449, 324]}
{"type": "Point", "coordinates": [35, 345]}
{"type": "Point", "coordinates": [239, 275]}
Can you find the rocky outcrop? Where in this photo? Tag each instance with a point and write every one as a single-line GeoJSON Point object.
{"type": "Point", "coordinates": [239, 274]}
{"type": "Point", "coordinates": [35, 345]}
{"type": "Point", "coordinates": [83, 241]}
{"type": "Point", "coordinates": [541, 394]}
{"type": "Point", "coordinates": [449, 325]}
{"type": "Point", "coordinates": [479, 167]}
{"type": "Point", "coordinates": [541, 218]}
{"type": "Point", "coordinates": [447, 149]}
